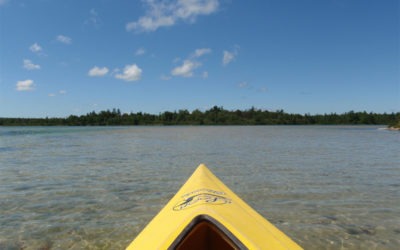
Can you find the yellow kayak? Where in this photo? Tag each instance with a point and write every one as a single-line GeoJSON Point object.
{"type": "Point", "coordinates": [206, 214]}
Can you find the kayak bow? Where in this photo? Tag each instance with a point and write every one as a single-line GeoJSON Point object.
{"type": "Point", "coordinates": [206, 214]}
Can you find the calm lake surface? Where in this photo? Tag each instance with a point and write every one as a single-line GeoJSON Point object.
{"type": "Point", "coordinates": [327, 187]}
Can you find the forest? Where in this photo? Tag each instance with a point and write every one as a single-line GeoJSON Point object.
{"type": "Point", "coordinates": [214, 116]}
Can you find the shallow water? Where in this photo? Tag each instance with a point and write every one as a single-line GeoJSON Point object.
{"type": "Point", "coordinates": [327, 187]}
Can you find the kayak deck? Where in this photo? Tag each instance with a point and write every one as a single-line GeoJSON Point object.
{"type": "Point", "coordinates": [206, 214]}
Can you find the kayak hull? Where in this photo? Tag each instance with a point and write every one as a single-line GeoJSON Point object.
{"type": "Point", "coordinates": [206, 214]}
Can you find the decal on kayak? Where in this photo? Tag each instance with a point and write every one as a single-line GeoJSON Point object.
{"type": "Point", "coordinates": [202, 196]}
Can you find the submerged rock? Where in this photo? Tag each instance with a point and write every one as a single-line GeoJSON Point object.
{"type": "Point", "coordinates": [368, 230]}
{"type": "Point", "coordinates": [358, 230]}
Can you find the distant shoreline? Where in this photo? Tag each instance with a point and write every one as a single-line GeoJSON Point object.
{"type": "Point", "coordinates": [214, 116]}
{"type": "Point", "coordinates": [395, 126]}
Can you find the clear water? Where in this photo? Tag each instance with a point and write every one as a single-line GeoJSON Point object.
{"type": "Point", "coordinates": [327, 187]}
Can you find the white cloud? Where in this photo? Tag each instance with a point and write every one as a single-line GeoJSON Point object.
{"type": "Point", "coordinates": [228, 57]}
{"type": "Point", "coordinates": [248, 87]}
{"type": "Point", "coordinates": [190, 64]}
{"type": "Point", "coordinates": [94, 16]}
{"type": "Point", "coordinates": [93, 19]}
{"type": "Point", "coordinates": [29, 65]}
{"type": "Point", "coordinates": [150, 24]}
{"type": "Point", "coordinates": [26, 85]}
{"type": "Point", "coordinates": [201, 52]}
{"type": "Point", "coordinates": [163, 14]}
{"type": "Point", "coordinates": [190, 9]}
{"type": "Point", "coordinates": [35, 48]}
{"type": "Point", "coordinates": [130, 73]}
{"type": "Point", "coordinates": [96, 71]}
{"type": "Point", "coordinates": [61, 92]}
{"type": "Point", "coordinates": [140, 51]}
{"type": "Point", "coordinates": [186, 69]}
{"type": "Point", "coordinates": [243, 85]}
{"type": "Point", "coordinates": [64, 39]}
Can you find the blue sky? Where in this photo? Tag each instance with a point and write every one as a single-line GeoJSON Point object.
{"type": "Point", "coordinates": [60, 57]}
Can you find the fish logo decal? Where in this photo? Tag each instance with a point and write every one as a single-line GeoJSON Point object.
{"type": "Point", "coordinates": [202, 196]}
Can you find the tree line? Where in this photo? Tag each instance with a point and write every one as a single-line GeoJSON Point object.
{"type": "Point", "coordinates": [213, 116]}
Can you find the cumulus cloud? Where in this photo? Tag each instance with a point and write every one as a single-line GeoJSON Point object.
{"type": "Point", "coordinates": [140, 51]}
{"type": "Point", "coordinates": [150, 24]}
{"type": "Point", "coordinates": [61, 92]}
{"type": "Point", "coordinates": [167, 13]}
{"type": "Point", "coordinates": [93, 20]}
{"type": "Point", "coordinates": [64, 39]}
{"type": "Point", "coordinates": [35, 48]}
{"type": "Point", "coordinates": [201, 52]}
{"type": "Point", "coordinates": [190, 64]}
{"type": "Point", "coordinates": [94, 16]}
{"type": "Point", "coordinates": [243, 85]}
{"type": "Point", "coordinates": [97, 71]}
{"type": "Point", "coordinates": [130, 73]}
{"type": "Point", "coordinates": [229, 56]}
{"type": "Point", "coordinates": [186, 69]}
{"type": "Point", "coordinates": [248, 87]}
{"type": "Point", "coordinates": [29, 65]}
{"type": "Point", "coordinates": [26, 85]}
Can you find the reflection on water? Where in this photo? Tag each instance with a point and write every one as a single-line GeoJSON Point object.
{"type": "Point", "coordinates": [327, 187]}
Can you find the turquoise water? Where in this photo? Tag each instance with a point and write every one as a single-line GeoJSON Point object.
{"type": "Point", "coordinates": [327, 187]}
